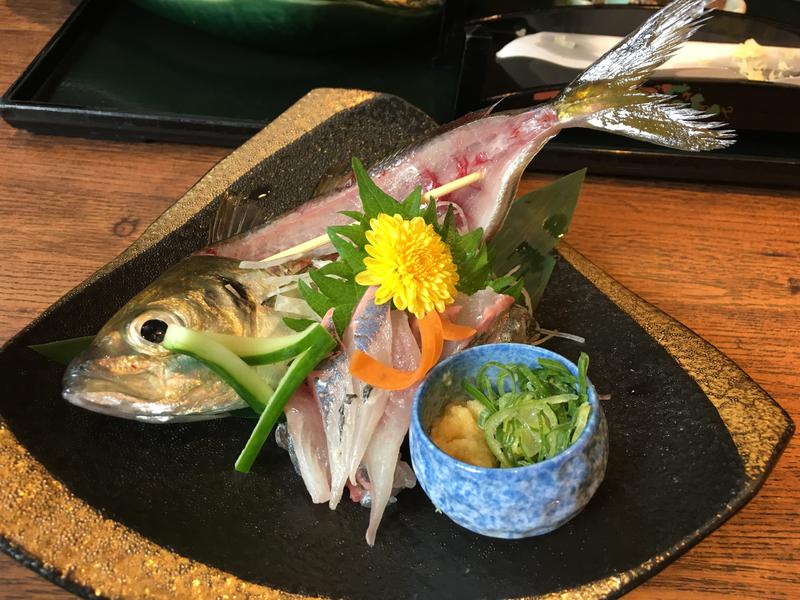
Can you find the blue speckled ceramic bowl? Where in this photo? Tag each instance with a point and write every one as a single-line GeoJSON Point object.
{"type": "Point", "coordinates": [513, 502]}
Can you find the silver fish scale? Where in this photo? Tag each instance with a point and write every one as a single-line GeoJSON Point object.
{"type": "Point", "coordinates": [330, 384]}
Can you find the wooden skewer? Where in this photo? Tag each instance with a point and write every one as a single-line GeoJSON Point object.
{"type": "Point", "coordinates": [454, 185]}
{"type": "Point", "coordinates": [433, 194]}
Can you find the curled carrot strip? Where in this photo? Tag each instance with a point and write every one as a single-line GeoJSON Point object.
{"type": "Point", "coordinates": [455, 333]}
{"type": "Point", "coordinates": [385, 377]}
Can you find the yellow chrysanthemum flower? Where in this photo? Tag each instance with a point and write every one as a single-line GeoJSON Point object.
{"type": "Point", "coordinates": [410, 263]}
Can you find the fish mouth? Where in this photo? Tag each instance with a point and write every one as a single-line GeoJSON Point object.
{"type": "Point", "coordinates": [114, 403]}
{"type": "Point", "coordinates": [92, 387]}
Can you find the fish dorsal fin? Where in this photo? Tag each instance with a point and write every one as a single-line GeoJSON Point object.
{"type": "Point", "coordinates": [237, 214]}
{"type": "Point", "coordinates": [333, 181]}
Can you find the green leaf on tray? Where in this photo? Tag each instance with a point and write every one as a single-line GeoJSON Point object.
{"type": "Point", "coordinates": [532, 229]}
{"type": "Point", "coordinates": [63, 351]}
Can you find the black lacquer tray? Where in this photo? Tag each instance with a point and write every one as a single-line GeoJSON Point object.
{"type": "Point", "coordinates": [113, 508]}
{"type": "Point", "coordinates": [114, 70]}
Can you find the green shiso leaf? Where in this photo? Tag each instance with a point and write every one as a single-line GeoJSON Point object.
{"type": "Point", "coordinates": [337, 289]}
{"type": "Point", "coordinates": [353, 232]}
{"type": "Point", "coordinates": [63, 351]}
{"type": "Point", "coordinates": [297, 324]}
{"type": "Point", "coordinates": [335, 284]}
{"type": "Point", "coordinates": [410, 207]}
{"type": "Point", "coordinates": [532, 229]}
{"type": "Point", "coordinates": [429, 214]}
{"type": "Point", "coordinates": [342, 315]}
{"type": "Point", "coordinates": [374, 200]}
{"type": "Point", "coordinates": [318, 302]}
{"type": "Point", "coordinates": [351, 254]}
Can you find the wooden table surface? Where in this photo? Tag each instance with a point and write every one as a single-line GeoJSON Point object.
{"type": "Point", "coordinates": [723, 260]}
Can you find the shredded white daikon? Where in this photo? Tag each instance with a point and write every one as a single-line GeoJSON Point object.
{"type": "Point", "coordinates": [528, 301]}
{"type": "Point", "coordinates": [295, 306]}
{"type": "Point", "coordinates": [281, 280]}
{"type": "Point", "coordinates": [266, 264]}
{"type": "Point", "coordinates": [551, 333]}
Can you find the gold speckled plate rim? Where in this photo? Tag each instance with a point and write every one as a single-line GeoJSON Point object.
{"type": "Point", "coordinates": [44, 526]}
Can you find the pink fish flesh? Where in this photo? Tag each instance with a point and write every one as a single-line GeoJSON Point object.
{"type": "Point", "coordinates": [366, 432]}
{"type": "Point", "coordinates": [370, 331]}
{"type": "Point", "coordinates": [479, 311]}
{"type": "Point", "coordinates": [500, 146]}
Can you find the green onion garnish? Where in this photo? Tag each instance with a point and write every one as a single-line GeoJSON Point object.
{"type": "Point", "coordinates": [530, 415]}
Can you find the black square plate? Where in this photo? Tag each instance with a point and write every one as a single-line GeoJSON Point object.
{"type": "Point", "coordinates": [114, 508]}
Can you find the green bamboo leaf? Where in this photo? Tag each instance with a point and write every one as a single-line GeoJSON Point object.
{"type": "Point", "coordinates": [532, 229]}
{"type": "Point", "coordinates": [63, 351]}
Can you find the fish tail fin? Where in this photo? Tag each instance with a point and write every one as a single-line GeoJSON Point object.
{"type": "Point", "coordinates": [606, 96]}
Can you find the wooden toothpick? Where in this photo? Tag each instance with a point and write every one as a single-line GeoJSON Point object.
{"type": "Point", "coordinates": [433, 194]}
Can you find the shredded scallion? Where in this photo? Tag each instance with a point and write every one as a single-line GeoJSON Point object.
{"type": "Point", "coordinates": [530, 415]}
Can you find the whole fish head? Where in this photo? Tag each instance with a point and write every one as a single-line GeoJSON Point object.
{"type": "Point", "coordinates": [127, 373]}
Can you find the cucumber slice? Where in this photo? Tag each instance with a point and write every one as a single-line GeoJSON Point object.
{"type": "Point", "coordinates": [263, 351]}
{"type": "Point", "coordinates": [219, 353]}
{"type": "Point", "coordinates": [225, 363]}
{"type": "Point", "coordinates": [300, 368]}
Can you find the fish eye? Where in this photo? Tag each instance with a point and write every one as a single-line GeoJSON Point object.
{"type": "Point", "coordinates": [153, 330]}
{"type": "Point", "coordinates": [147, 330]}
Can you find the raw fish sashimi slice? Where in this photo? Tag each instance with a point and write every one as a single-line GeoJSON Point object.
{"type": "Point", "coordinates": [370, 331]}
{"type": "Point", "coordinates": [309, 444]}
{"type": "Point", "coordinates": [381, 458]}
{"type": "Point", "coordinates": [500, 146]}
{"type": "Point", "coordinates": [350, 409]}
{"type": "Point", "coordinates": [479, 311]}
{"type": "Point", "coordinates": [332, 387]}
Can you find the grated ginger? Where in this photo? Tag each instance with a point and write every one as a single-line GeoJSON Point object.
{"type": "Point", "coordinates": [456, 432]}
